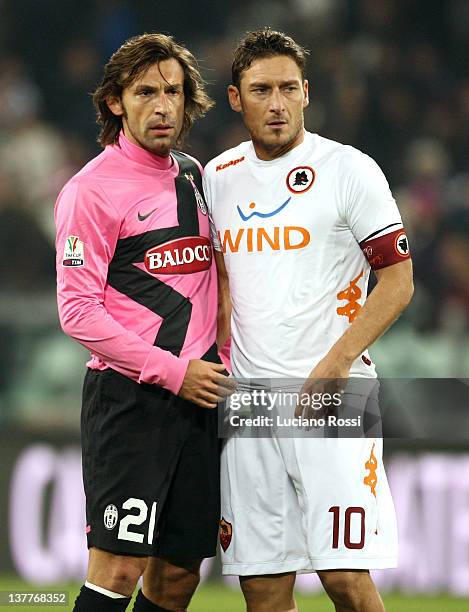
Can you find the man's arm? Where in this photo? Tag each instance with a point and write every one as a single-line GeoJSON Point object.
{"type": "Point", "coordinates": [369, 209]}
{"type": "Point", "coordinates": [385, 303]}
{"type": "Point", "coordinates": [85, 214]}
{"type": "Point", "coordinates": [224, 302]}
{"type": "Point", "coordinates": [224, 299]}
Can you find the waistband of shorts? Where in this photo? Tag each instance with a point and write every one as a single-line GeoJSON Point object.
{"type": "Point", "coordinates": [160, 392]}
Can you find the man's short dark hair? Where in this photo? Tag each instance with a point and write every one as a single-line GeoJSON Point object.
{"type": "Point", "coordinates": [265, 43]}
{"type": "Point", "coordinates": [125, 66]}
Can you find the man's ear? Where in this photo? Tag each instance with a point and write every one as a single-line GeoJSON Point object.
{"type": "Point", "coordinates": [234, 98]}
{"type": "Point", "coordinates": [306, 93]}
{"type": "Point", "coordinates": [115, 106]}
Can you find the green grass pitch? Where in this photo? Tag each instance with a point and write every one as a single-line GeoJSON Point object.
{"type": "Point", "coordinates": [213, 597]}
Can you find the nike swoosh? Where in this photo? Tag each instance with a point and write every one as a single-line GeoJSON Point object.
{"type": "Point", "coordinates": [262, 215]}
{"type": "Point", "coordinates": [143, 217]}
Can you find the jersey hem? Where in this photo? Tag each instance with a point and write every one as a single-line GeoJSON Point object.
{"type": "Point", "coordinates": [371, 563]}
{"type": "Point", "coordinates": [259, 569]}
{"type": "Point", "coordinates": [308, 565]}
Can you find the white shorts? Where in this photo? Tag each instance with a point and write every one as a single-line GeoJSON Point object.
{"type": "Point", "coordinates": [305, 504]}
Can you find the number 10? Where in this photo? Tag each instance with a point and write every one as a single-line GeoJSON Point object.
{"type": "Point", "coordinates": [335, 529]}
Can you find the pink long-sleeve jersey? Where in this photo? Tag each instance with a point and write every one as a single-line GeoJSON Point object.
{"type": "Point", "coordinates": [136, 281]}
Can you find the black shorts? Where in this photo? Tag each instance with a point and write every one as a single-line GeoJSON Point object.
{"type": "Point", "coordinates": [150, 470]}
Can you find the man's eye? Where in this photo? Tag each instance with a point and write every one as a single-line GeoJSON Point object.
{"type": "Point", "coordinates": [145, 92]}
{"type": "Point", "coordinates": [173, 92]}
{"type": "Point", "coordinates": [290, 88]}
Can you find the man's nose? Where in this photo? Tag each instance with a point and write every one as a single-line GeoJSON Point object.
{"type": "Point", "coordinates": [276, 101]}
{"type": "Point", "coordinates": [161, 104]}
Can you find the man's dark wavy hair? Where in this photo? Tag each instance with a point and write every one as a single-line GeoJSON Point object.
{"type": "Point", "coordinates": [132, 59]}
{"type": "Point", "coordinates": [265, 43]}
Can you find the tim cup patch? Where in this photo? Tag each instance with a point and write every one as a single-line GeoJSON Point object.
{"type": "Point", "coordinates": [74, 252]}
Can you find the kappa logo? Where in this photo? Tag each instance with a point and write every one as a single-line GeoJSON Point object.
{"type": "Point", "coordinates": [232, 162]}
{"type": "Point", "coordinates": [74, 252]}
{"type": "Point", "coordinates": [225, 533]}
{"type": "Point", "coordinates": [371, 479]}
{"type": "Point", "coordinates": [180, 256]}
{"type": "Point", "coordinates": [352, 294]}
{"type": "Point", "coordinates": [198, 196]}
{"type": "Point", "coordinates": [300, 179]}
{"type": "Point", "coordinates": [110, 516]}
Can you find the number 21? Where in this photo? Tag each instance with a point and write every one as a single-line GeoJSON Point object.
{"type": "Point", "coordinates": [137, 519]}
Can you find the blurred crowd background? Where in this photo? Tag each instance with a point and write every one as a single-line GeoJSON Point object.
{"type": "Point", "coordinates": [389, 77]}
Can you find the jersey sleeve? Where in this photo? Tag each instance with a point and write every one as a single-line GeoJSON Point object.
{"type": "Point", "coordinates": [87, 232]}
{"type": "Point", "coordinates": [368, 205]}
{"type": "Point", "coordinates": [209, 199]}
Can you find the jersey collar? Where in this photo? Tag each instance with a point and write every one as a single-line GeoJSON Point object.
{"type": "Point", "coordinates": [142, 156]}
{"type": "Point", "coordinates": [280, 160]}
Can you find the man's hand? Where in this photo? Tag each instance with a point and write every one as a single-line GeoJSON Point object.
{"type": "Point", "coordinates": [204, 384]}
{"type": "Point", "coordinates": [329, 376]}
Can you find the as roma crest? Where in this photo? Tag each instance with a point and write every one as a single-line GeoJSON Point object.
{"type": "Point", "coordinates": [300, 179]}
{"type": "Point", "coordinates": [225, 533]}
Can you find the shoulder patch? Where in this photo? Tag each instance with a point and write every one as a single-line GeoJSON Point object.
{"type": "Point", "coordinates": [74, 252]}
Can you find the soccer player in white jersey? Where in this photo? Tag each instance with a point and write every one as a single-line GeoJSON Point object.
{"type": "Point", "coordinates": [298, 222]}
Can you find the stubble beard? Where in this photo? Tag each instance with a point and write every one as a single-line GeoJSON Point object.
{"type": "Point", "coordinates": [162, 149]}
{"type": "Point", "coordinates": [282, 146]}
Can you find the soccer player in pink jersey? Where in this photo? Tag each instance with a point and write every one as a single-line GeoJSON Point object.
{"type": "Point", "coordinates": [137, 287]}
{"type": "Point", "coordinates": [299, 221]}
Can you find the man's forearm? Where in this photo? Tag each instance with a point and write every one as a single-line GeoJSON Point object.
{"type": "Point", "coordinates": [123, 350]}
{"type": "Point", "coordinates": [223, 317]}
{"type": "Point", "coordinates": [224, 301]}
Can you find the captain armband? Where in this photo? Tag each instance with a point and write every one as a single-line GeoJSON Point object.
{"type": "Point", "coordinates": [386, 250]}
